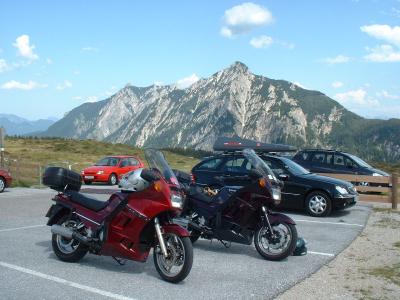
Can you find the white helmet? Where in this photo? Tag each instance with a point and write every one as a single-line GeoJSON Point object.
{"type": "Point", "coordinates": [133, 182]}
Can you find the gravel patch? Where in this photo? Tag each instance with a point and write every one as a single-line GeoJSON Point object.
{"type": "Point", "coordinates": [368, 269]}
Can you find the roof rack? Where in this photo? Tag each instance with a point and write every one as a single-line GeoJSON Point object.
{"type": "Point", "coordinates": [318, 149]}
{"type": "Point", "coordinates": [234, 144]}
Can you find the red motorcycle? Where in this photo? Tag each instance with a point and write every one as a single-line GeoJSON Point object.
{"type": "Point", "coordinates": [126, 226]}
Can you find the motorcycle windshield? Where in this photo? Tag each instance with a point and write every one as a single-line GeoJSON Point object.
{"type": "Point", "coordinates": [155, 160]}
{"type": "Point", "coordinates": [258, 164]}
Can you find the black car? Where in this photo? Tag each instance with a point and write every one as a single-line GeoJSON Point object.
{"type": "Point", "coordinates": [316, 194]}
{"type": "Point", "coordinates": [331, 161]}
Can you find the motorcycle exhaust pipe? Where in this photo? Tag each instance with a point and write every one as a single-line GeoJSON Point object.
{"type": "Point", "coordinates": [70, 234]}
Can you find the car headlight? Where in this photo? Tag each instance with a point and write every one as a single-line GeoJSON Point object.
{"type": "Point", "coordinates": [176, 201]}
{"type": "Point", "coordinates": [376, 174]}
{"type": "Point", "coordinates": [276, 195]}
{"type": "Point", "coordinates": [82, 172]}
{"type": "Point", "coordinates": [100, 172]}
{"type": "Point", "coordinates": [341, 190]}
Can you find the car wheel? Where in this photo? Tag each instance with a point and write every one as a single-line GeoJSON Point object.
{"type": "Point", "coordinates": [318, 204]}
{"type": "Point", "coordinates": [2, 184]}
{"type": "Point", "coordinates": [112, 180]}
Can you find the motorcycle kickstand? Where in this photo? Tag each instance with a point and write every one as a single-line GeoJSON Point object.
{"type": "Point", "coordinates": [226, 244]}
{"type": "Point", "coordinates": [120, 261]}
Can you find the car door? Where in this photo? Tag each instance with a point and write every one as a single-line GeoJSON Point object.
{"type": "Point", "coordinates": [124, 167]}
{"type": "Point", "coordinates": [133, 164]}
{"type": "Point", "coordinates": [321, 162]}
{"type": "Point", "coordinates": [343, 165]}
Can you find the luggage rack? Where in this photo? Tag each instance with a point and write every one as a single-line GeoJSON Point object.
{"type": "Point", "coordinates": [235, 144]}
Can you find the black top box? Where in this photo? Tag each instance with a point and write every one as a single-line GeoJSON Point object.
{"type": "Point", "coordinates": [61, 179]}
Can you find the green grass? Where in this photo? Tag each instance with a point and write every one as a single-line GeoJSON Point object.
{"type": "Point", "coordinates": [26, 157]}
{"type": "Point", "coordinates": [390, 273]}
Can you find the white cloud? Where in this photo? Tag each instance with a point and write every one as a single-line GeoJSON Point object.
{"type": "Point", "coordinates": [355, 98]}
{"type": "Point", "coordinates": [187, 81]}
{"type": "Point", "coordinates": [383, 32]}
{"type": "Point", "coordinates": [261, 41]}
{"type": "Point", "coordinates": [15, 85]}
{"type": "Point", "coordinates": [340, 59]}
{"type": "Point", "coordinates": [337, 84]}
{"type": "Point", "coordinates": [49, 61]}
{"type": "Point", "coordinates": [89, 49]}
{"type": "Point", "coordinates": [387, 95]}
{"type": "Point", "coordinates": [4, 66]}
{"type": "Point", "coordinates": [300, 85]}
{"type": "Point", "coordinates": [65, 85]}
{"type": "Point", "coordinates": [91, 99]}
{"type": "Point", "coordinates": [78, 98]}
{"type": "Point", "coordinates": [383, 53]}
{"type": "Point", "coordinates": [25, 49]}
{"type": "Point", "coordinates": [243, 18]}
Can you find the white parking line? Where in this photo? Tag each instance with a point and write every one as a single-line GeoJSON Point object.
{"type": "Point", "coordinates": [20, 228]}
{"type": "Point", "coordinates": [65, 282]}
{"type": "Point", "coordinates": [331, 223]}
{"type": "Point", "coordinates": [321, 253]}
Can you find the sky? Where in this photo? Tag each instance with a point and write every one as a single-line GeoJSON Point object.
{"type": "Point", "coordinates": [57, 55]}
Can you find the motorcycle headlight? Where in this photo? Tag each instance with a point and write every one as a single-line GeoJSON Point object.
{"type": "Point", "coordinates": [176, 201]}
{"type": "Point", "coordinates": [376, 174]}
{"type": "Point", "coordinates": [341, 190]}
{"type": "Point", "coordinates": [276, 195]}
{"type": "Point", "coordinates": [100, 172]}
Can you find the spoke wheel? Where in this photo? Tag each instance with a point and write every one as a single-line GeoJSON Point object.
{"type": "Point", "coordinates": [177, 265]}
{"type": "Point", "coordinates": [69, 250]}
{"type": "Point", "coordinates": [278, 245]}
{"type": "Point", "coordinates": [318, 204]}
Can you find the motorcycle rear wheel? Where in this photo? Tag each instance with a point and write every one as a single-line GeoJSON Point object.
{"type": "Point", "coordinates": [277, 248]}
{"type": "Point", "coordinates": [180, 254]}
{"type": "Point", "coordinates": [65, 249]}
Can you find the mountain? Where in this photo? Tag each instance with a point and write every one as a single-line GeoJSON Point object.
{"type": "Point", "coordinates": [15, 125]}
{"type": "Point", "coordinates": [230, 102]}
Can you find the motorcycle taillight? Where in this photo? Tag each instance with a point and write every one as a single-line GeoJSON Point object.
{"type": "Point", "coordinates": [192, 178]}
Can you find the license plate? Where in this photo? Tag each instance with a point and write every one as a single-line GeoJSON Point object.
{"type": "Point", "coordinates": [89, 177]}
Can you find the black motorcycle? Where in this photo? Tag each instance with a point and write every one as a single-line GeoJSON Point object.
{"type": "Point", "coordinates": [241, 214]}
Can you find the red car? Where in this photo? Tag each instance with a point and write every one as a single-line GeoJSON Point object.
{"type": "Point", "coordinates": [5, 179]}
{"type": "Point", "coordinates": [110, 169]}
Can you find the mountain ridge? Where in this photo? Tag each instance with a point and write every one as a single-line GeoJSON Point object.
{"type": "Point", "coordinates": [230, 102]}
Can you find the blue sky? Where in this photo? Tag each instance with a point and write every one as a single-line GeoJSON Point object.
{"type": "Point", "coordinates": [56, 55]}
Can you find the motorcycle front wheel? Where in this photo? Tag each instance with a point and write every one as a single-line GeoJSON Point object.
{"type": "Point", "coordinates": [177, 265]}
{"type": "Point", "coordinates": [278, 245]}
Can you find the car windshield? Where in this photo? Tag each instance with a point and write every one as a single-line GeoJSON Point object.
{"type": "Point", "coordinates": [293, 167]}
{"type": "Point", "coordinates": [108, 161]}
{"type": "Point", "coordinates": [258, 164]}
{"type": "Point", "coordinates": [359, 161]}
{"type": "Point", "coordinates": [156, 160]}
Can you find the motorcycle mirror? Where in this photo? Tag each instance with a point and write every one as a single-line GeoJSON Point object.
{"type": "Point", "coordinates": [283, 177]}
{"type": "Point", "coordinates": [149, 175]}
{"type": "Point", "coordinates": [255, 174]}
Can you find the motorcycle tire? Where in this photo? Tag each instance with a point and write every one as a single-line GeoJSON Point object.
{"type": "Point", "coordinates": [280, 255]}
{"type": "Point", "coordinates": [187, 263]}
{"type": "Point", "coordinates": [58, 243]}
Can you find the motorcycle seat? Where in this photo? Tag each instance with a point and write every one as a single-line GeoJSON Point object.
{"type": "Point", "coordinates": [88, 202]}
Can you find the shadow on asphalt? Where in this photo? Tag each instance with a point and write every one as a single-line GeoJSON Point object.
{"type": "Point", "coordinates": [106, 263]}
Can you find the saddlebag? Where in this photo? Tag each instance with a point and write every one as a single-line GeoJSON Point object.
{"type": "Point", "coordinates": [61, 179]}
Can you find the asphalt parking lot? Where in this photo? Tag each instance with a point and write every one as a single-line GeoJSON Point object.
{"type": "Point", "coordinates": [30, 270]}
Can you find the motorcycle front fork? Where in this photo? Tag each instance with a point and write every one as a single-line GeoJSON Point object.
{"type": "Point", "coordinates": [160, 238]}
{"type": "Point", "coordinates": [265, 212]}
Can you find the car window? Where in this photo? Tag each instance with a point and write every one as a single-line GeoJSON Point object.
{"type": "Point", "coordinates": [302, 156]}
{"type": "Point", "coordinates": [236, 165]}
{"type": "Point", "coordinates": [339, 160]}
{"type": "Point", "coordinates": [124, 163]}
{"type": "Point", "coordinates": [319, 158]}
{"type": "Point", "coordinates": [108, 161]}
{"type": "Point", "coordinates": [211, 164]}
{"type": "Point", "coordinates": [275, 166]}
{"type": "Point", "coordinates": [133, 161]}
